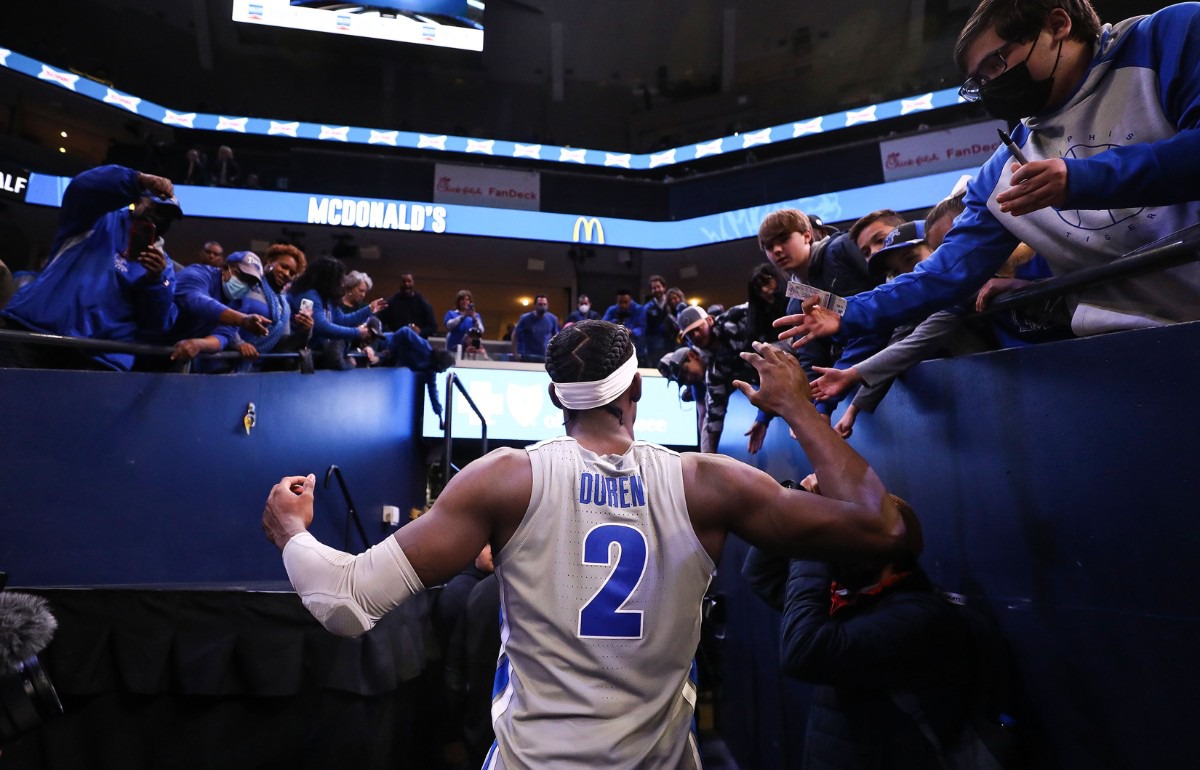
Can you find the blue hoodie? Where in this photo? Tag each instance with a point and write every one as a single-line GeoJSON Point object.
{"type": "Point", "coordinates": [1130, 138]}
{"type": "Point", "coordinates": [201, 301]}
{"type": "Point", "coordinates": [89, 289]}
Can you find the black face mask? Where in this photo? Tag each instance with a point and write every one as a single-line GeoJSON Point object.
{"type": "Point", "coordinates": [1015, 94]}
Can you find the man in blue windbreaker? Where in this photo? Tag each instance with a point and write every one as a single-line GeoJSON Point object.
{"type": "Point", "coordinates": [93, 286]}
{"type": "Point", "coordinates": [1109, 119]}
{"type": "Point", "coordinates": [216, 306]}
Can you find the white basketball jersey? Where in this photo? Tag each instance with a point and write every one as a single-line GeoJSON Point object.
{"type": "Point", "coordinates": [600, 591]}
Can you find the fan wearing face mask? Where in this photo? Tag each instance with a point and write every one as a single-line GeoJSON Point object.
{"type": "Point", "coordinates": [210, 319]}
{"type": "Point", "coordinates": [1106, 115]}
{"type": "Point", "coordinates": [583, 311]}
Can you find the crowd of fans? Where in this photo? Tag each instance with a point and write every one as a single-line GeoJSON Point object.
{"type": "Point", "coordinates": [280, 303]}
{"type": "Point", "coordinates": [110, 278]}
{"type": "Point", "coordinates": [876, 248]}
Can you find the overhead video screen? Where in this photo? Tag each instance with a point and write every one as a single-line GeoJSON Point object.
{"type": "Point", "coordinates": [444, 23]}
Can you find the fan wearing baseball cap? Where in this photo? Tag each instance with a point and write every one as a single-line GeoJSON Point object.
{"type": "Point", "coordinates": [903, 248]}
{"type": "Point", "coordinates": [209, 299]}
{"type": "Point", "coordinates": [285, 333]}
{"type": "Point", "coordinates": [716, 345]}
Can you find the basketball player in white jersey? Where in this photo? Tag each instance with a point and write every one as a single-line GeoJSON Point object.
{"type": "Point", "coordinates": [604, 546]}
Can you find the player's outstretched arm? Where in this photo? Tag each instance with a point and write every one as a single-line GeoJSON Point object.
{"type": "Point", "coordinates": [348, 594]}
{"type": "Point", "coordinates": [785, 391]}
{"type": "Point", "coordinates": [853, 517]}
{"type": "Point", "coordinates": [724, 495]}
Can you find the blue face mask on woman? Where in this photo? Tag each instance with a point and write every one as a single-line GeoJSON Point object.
{"type": "Point", "coordinates": [235, 289]}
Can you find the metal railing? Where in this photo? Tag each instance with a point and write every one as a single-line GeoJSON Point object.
{"type": "Point", "coordinates": [1176, 249]}
{"type": "Point", "coordinates": [351, 512]}
{"type": "Point", "coordinates": [86, 346]}
{"type": "Point", "coordinates": [452, 381]}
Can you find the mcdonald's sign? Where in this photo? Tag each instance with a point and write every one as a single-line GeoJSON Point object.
{"type": "Point", "coordinates": [588, 224]}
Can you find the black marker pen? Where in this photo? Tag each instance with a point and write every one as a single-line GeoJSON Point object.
{"type": "Point", "coordinates": [1012, 147]}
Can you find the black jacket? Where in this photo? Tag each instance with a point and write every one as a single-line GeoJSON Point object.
{"type": "Point", "coordinates": [907, 638]}
{"type": "Point", "coordinates": [402, 311]}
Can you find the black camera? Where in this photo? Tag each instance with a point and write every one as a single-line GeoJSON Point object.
{"type": "Point", "coordinates": [27, 697]}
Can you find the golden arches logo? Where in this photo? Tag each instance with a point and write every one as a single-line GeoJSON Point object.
{"type": "Point", "coordinates": [589, 224]}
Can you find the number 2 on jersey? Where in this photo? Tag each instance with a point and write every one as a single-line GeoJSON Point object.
{"type": "Point", "coordinates": [602, 617]}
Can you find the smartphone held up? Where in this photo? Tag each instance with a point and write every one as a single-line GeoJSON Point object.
{"type": "Point", "coordinates": [142, 235]}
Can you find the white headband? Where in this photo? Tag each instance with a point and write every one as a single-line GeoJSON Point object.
{"type": "Point", "coordinates": [589, 395]}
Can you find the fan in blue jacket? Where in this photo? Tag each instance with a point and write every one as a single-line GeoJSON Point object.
{"type": "Point", "coordinates": [658, 315]}
{"type": "Point", "coordinates": [208, 299]}
{"type": "Point", "coordinates": [462, 320]}
{"type": "Point", "coordinates": [1111, 135]}
{"type": "Point", "coordinates": [93, 287]}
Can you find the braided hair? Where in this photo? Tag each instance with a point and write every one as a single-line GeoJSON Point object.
{"type": "Point", "coordinates": [589, 351]}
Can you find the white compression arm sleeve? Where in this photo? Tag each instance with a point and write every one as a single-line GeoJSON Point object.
{"type": "Point", "coordinates": [349, 594]}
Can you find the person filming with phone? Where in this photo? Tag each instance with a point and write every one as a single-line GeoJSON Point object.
{"type": "Point", "coordinates": [108, 276]}
{"type": "Point", "coordinates": [463, 324]}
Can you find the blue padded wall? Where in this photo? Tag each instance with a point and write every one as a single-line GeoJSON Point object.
{"type": "Point", "coordinates": [1058, 485]}
{"type": "Point", "coordinates": [122, 478]}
